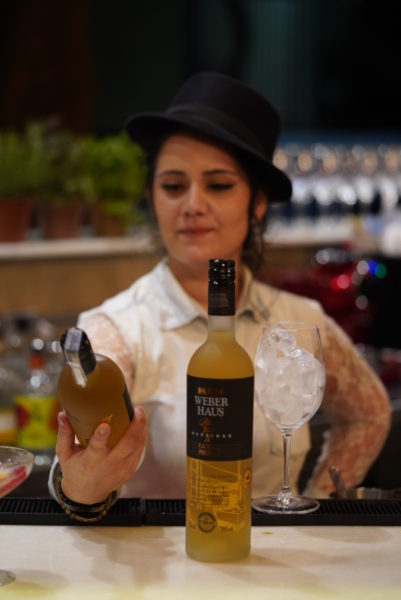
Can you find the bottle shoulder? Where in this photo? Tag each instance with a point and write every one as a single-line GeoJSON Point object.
{"type": "Point", "coordinates": [106, 374]}
{"type": "Point", "coordinates": [107, 367]}
{"type": "Point", "coordinates": [221, 356]}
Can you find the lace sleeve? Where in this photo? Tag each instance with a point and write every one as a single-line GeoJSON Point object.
{"type": "Point", "coordinates": [106, 339]}
{"type": "Point", "coordinates": [359, 410]}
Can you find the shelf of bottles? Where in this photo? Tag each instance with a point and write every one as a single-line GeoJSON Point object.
{"type": "Point", "coordinates": [30, 361]}
{"type": "Point", "coordinates": [340, 193]}
{"type": "Point", "coordinates": [345, 216]}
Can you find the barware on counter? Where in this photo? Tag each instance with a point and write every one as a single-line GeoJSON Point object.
{"type": "Point", "coordinates": [290, 378]}
{"type": "Point", "coordinates": [15, 466]}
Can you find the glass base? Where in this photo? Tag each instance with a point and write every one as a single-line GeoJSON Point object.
{"type": "Point", "coordinates": [6, 577]}
{"type": "Point", "coordinates": [285, 504]}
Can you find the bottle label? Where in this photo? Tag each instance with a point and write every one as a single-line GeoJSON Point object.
{"type": "Point", "coordinates": [218, 497]}
{"type": "Point", "coordinates": [37, 421]}
{"type": "Point", "coordinates": [219, 418]}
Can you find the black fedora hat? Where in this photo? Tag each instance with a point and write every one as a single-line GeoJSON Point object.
{"type": "Point", "coordinates": [227, 110]}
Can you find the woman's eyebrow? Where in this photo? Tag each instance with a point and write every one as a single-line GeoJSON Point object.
{"type": "Point", "coordinates": [208, 173]}
{"type": "Point", "coordinates": [170, 172]}
{"type": "Point", "coordinates": [221, 171]}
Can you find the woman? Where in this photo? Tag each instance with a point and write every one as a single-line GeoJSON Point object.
{"type": "Point", "coordinates": [211, 178]}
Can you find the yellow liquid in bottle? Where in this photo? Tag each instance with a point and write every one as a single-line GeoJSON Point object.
{"type": "Point", "coordinates": [218, 499]}
{"type": "Point", "coordinates": [102, 399]}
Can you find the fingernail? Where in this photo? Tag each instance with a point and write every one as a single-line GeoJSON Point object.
{"type": "Point", "coordinates": [102, 431]}
{"type": "Point", "coordinates": [61, 420]}
{"type": "Point", "coordinates": [140, 409]}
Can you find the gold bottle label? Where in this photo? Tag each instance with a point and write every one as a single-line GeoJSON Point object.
{"type": "Point", "coordinates": [218, 495]}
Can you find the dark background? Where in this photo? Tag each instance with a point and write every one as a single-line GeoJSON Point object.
{"type": "Point", "coordinates": [327, 66]}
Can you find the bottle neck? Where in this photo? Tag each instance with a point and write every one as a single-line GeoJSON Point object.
{"type": "Point", "coordinates": [78, 353]}
{"type": "Point", "coordinates": [221, 308]}
{"type": "Point", "coordinates": [82, 367]}
{"type": "Point", "coordinates": [221, 323]}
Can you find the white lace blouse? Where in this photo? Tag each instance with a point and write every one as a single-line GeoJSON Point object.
{"type": "Point", "coordinates": [151, 330]}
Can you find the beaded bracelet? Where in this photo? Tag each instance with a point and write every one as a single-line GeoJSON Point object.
{"type": "Point", "coordinates": [74, 509]}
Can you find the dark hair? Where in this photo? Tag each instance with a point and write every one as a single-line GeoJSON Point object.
{"type": "Point", "coordinates": [254, 245]}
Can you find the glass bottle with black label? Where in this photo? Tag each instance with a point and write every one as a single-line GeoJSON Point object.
{"type": "Point", "coordinates": [92, 390]}
{"type": "Point", "coordinates": [219, 432]}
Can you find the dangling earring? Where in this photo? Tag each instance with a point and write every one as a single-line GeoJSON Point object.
{"type": "Point", "coordinates": [257, 231]}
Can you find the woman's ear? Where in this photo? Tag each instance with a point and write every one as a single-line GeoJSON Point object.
{"type": "Point", "coordinates": [260, 205]}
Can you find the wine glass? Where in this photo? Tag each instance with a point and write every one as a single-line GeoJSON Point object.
{"type": "Point", "coordinates": [15, 466]}
{"type": "Point", "coordinates": [289, 383]}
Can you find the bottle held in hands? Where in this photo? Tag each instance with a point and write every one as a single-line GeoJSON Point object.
{"type": "Point", "coordinates": [92, 390]}
{"type": "Point", "coordinates": [219, 432]}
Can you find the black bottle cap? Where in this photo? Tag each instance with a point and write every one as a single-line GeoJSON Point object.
{"type": "Point", "coordinates": [222, 271]}
{"type": "Point", "coordinates": [221, 296]}
{"type": "Point", "coordinates": [76, 345]}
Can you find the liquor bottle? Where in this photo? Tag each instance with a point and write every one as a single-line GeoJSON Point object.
{"type": "Point", "coordinates": [37, 407]}
{"type": "Point", "coordinates": [15, 333]}
{"type": "Point", "coordinates": [9, 384]}
{"type": "Point", "coordinates": [92, 390]}
{"type": "Point", "coordinates": [19, 331]}
{"type": "Point", "coordinates": [220, 379]}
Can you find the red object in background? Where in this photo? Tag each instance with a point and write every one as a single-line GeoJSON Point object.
{"type": "Point", "coordinates": [23, 417]}
{"type": "Point", "coordinates": [332, 279]}
{"type": "Point", "coordinates": [357, 293]}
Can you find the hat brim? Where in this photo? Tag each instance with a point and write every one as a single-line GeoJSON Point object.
{"type": "Point", "coordinates": [145, 128]}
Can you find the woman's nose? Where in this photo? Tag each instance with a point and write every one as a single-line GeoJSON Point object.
{"type": "Point", "coordinates": [194, 202]}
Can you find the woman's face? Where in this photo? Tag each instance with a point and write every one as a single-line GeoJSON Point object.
{"type": "Point", "coordinates": [201, 199]}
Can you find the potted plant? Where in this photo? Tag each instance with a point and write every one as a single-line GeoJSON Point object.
{"type": "Point", "coordinates": [118, 171]}
{"type": "Point", "coordinates": [67, 188]}
{"type": "Point", "coordinates": [22, 173]}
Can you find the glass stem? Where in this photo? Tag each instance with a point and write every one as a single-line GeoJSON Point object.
{"type": "Point", "coordinates": [287, 437]}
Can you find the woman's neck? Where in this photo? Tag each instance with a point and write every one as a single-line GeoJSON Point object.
{"type": "Point", "coordinates": [194, 281]}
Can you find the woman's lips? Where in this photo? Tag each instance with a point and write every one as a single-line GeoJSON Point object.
{"type": "Point", "coordinates": [195, 232]}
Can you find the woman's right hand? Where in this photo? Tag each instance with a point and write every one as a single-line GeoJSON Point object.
{"type": "Point", "coordinates": [90, 474]}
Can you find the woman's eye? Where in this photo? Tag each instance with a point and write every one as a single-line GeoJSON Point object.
{"type": "Point", "coordinates": [171, 187]}
{"type": "Point", "coordinates": [220, 187]}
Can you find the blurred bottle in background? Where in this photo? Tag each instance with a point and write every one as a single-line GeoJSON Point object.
{"type": "Point", "coordinates": [37, 407]}
{"type": "Point", "coordinates": [9, 382]}
{"type": "Point", "coordinates": [342, 192]}
{"type": "Point", "coordinates": [17, 330]}
{"type": "Point", "coordinates": [17, 333]}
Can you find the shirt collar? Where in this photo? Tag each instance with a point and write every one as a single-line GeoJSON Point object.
{"type": "Point", "coordinates": [251, 302]}
{"type": "Point", "coordinates": [177, 308]}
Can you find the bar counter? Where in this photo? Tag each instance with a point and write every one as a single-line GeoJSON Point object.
{"type": "Point", "coordinates": [146, 563]}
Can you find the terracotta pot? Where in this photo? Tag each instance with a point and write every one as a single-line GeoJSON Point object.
{"type": "Point", "coordinates": [107, 225]}
{"type": "Point", "coordinates": [61, 221]}
{"type": "Point", "coordinates": [15, 216]}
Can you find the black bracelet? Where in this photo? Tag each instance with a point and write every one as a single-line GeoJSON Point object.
{"type": "Point", "coordinates": [86, 513]}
